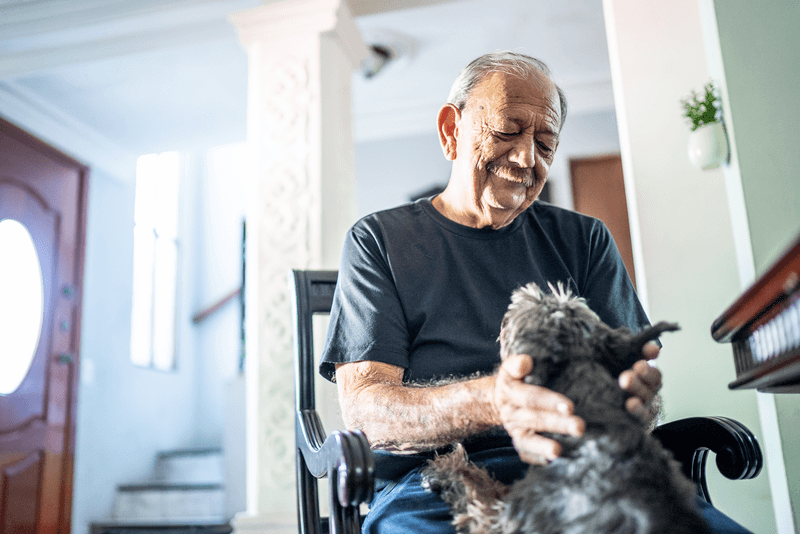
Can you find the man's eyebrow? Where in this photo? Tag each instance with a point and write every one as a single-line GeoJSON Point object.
{"type": "Point", "coordinates": [548, 130]}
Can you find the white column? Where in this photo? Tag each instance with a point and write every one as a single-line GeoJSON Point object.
{"type": "Point", "coordinates": [301, 201]}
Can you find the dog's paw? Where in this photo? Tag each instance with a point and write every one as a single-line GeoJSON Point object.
{"type": "Point", "coordinates": [438, 475]}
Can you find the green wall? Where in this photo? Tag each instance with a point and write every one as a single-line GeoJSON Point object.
{"type": "Point", "coordinates": [760, 44]}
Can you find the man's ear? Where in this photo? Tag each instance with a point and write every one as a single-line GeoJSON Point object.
{"type": "Point", "coordinates": [448, 129]}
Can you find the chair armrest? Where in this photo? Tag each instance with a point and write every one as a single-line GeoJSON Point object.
{"type": "Point", "coordinates": [343, 456]}
{"type": "Point", "coordinates": [738, 455]}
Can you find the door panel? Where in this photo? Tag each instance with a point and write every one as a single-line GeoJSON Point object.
{"type": "Point", "coordinates": [45, 192]}
{"type": "Point", "coordinates": [21, 481]}
{"type": "Point", "coordinates": [598, 189]}
{"type": "Point", "coordinates": [20, 203]}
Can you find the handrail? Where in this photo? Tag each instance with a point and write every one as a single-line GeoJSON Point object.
{"type": "Point", "coordinates": [202, 315]}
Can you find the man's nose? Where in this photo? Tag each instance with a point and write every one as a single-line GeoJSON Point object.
{"type": "Point", "coordinates": [523, 153]}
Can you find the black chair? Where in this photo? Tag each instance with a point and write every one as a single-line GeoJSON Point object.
{"type": "Point", "coordinates": [346, 459]}
{"type": "Point", "coordinates": [738, 455]}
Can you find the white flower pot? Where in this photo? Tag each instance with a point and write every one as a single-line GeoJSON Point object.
{"type": "Point", "coordinates": [708, 146]}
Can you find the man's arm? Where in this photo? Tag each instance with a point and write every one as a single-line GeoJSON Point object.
{"type": "Point", "coordinates": [403, 419]}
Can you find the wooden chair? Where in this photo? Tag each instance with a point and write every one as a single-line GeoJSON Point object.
{"type": "Point", "coordinates": [738, 455]}
{"type": "Point", "coordinates": [343, 457]}
{"type": "Point", "coordinates": [346, 459]}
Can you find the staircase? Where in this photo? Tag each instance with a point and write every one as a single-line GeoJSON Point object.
{"type": "Point", "coordinates": [185, 494]}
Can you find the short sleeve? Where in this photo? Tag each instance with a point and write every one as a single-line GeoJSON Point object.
{"type": "Point", "coordinates": [608, 288]}
{"type": "Point", "coordinates": [367, 320]}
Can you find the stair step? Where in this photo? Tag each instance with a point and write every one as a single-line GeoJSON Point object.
{"type": "Point", "coordinates": [149, 528]}
{"type": "Point", "coordinates": [170, 503]}
{"type": "Point", "coordinates": [190, 466]}
{"type": "Point", "coordinates": [168, 486]}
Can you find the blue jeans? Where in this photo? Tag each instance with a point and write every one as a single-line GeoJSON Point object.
{"type": "Point", "coordinates": [404, 507]}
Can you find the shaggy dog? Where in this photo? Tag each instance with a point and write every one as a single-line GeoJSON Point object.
{"type": "Point", "coordinates": [616, 478]}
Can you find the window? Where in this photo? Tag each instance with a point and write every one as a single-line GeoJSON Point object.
{"type": "Point", "coordinates": [155, 261]}
{"type": "Point", "coordinates": [21, 304]}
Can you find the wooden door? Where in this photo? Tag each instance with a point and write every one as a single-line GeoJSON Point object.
{"type": "Point", "coordinates": [45, 192]}
{"type": "Point", "coordinates": [598, 189]}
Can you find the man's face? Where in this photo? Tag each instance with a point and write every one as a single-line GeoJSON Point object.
{"type": "Point", "coordinates": [506, 137]}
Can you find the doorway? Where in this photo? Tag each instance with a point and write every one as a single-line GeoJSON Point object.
{"type": "Point", "coordinates": [598, 189]}
{"type": "Point", "coordinates": [43, 200]}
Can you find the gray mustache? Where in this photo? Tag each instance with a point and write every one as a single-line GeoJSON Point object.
{"type": "Point", "coordinates": [519, 174]}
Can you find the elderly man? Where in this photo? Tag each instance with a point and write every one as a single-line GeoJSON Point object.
{"type": "Point", "coordinates": [423, 287]}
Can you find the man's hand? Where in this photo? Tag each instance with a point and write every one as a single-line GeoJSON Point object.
{"type": "Point", "coordinates": [526, 411]}
{"type": "Point", "coordinates": [642, 381]}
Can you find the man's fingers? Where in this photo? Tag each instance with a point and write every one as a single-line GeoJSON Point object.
{"type": "Point", "coordinates": [536, 449]}
{"type": "Point", "coordinates": [645, 373]}
{"type": "Point", "coordinates": [537, 398]}
{"type": "Point", "coordinates": [650, 350]}
{"type": "Point", "coordinates": [635, 406]}
{"type": "Point", "coordinates": [645, 412]}
{"type": "Point", "coordinates": [537, 421]}
{"type": "Point", "coordinates": [642, 380]}
{"type": "Point", "coordinates": [517, 366]}
{"type": "Point", "coordinates": [512, 371]}
{"type": "Point", "coordinates": [648, 374]}
{"type": "Point", "coordinates": [526, 410]}
{"type": "Point", "coordinates": [631, 383]}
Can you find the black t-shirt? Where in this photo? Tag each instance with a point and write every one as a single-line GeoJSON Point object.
{"type": "Point", "coordinates": [422, 292]}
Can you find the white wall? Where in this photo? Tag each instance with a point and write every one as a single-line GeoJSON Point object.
{"type": "Point", "coordinates": [390, 170]}
{"type": "Point", "coordinates": [125, 413]}
{"type": "Point", "coordinates": [216, 269]}
{"type": "Point", "coordinates": [219, 403]}
{"type": "Point", "coordinates": [657, 57]}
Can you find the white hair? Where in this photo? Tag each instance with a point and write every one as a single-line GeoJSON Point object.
{"type": "Point", "coordinates": [502, 61]}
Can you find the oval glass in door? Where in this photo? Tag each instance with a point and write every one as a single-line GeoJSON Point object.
{"type": "Point", "coordinates": [21, 304]}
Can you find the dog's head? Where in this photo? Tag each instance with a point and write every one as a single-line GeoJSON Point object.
{"type": "Point", "coordinates": [557, 328]}
{"type": "Point", "coordinates": [548, 323]}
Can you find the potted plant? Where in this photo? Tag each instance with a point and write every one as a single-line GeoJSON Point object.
{"type": "Point", "coordinates": [708, 144]}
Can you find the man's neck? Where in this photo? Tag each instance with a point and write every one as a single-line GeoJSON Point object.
{"type": "Point", "coordinates": [469, 211]}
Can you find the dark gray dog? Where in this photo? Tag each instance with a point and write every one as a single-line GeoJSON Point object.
{"type": "Point", "coordinates": [616, 478]}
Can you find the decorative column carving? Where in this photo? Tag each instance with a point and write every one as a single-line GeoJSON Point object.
{"type": "Point", "coordinates": [301, 56]}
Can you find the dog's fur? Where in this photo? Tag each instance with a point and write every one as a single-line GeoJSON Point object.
{"type": "Point", "coordinates": [616, 478]}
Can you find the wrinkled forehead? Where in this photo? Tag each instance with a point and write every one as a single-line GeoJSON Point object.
{"type": "Point", "coordinates": [499, 89]}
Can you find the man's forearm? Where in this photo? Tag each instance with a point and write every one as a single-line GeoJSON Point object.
{"type": "Point", "coordinates": [403, 419]}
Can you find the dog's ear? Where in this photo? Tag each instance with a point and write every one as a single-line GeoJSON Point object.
{"type": "Point", "coordinates": [651, 333]}
{"type": "Point", "coordinates": [619, 349]}
{"type": "Point", "coordinates": [614, 349]}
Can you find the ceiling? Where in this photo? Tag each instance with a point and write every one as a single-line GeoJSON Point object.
{"type": "Point", "coordinates": [154, 75]}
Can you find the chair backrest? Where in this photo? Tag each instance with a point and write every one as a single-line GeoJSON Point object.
{"type": "Point", "coordinates": [344, 456]}
{"type": "Point", "coordinates": [313, 294]}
